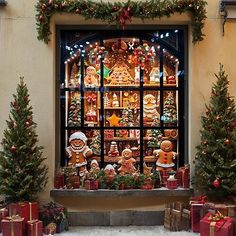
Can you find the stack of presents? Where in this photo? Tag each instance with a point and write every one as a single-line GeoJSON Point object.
{"type": "Point", "coordinates": [22, 219]}
{"type": "Point", "coordinates": [201, 216]}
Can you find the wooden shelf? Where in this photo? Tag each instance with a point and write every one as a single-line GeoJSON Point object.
{"type": "Point", "coordinates": [121, 139]}
{"type": "Point", "coordinates": [122, 85]}
{"type": "Point", "coordinates": [113, 108]}
{"type": "Point", "coordinates": [158, 85]}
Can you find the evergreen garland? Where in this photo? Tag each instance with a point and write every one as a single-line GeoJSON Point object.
{"type": "Point", "coordinates": [120, 12]}
{"type": "Point", "coordinates": [22, 171]}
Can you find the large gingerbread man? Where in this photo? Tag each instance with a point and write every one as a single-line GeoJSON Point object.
{"type": "Point", "coordinates": [78, 152]}
{"type": "Point", "coordinates": [165, 156]}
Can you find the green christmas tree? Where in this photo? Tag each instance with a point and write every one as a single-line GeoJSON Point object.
{"type": "Point", "coordinates": [22, 172]}
{"type": "Point", "coordinates": [96, 143]}
{"type": "Point", "coordinates": [127, 118]}
{"type": "Point", "coordinates": [215, 165]}
{"type": "Point", "coordinates": [169, 109]}
{"type": "Point", "coordinates": [74, 116]}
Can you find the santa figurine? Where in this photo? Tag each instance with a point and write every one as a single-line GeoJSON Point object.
{"type": "Point", "coordinates": [78, 152]}
{"type": "Point", "coordinates": [94, 166]}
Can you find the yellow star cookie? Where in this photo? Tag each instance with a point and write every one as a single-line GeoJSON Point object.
{"type": "Point", "coordinates": [114, 120]}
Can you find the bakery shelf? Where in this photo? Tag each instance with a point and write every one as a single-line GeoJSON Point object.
{"type": "Point", "coordinates": [120, 139]}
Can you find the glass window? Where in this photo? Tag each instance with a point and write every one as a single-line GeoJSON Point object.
{"type": "Point", "coordinates": [124, 90]}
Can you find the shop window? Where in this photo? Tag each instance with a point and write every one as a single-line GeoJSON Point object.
{"type": "Point", "coordinates": [123, 90]}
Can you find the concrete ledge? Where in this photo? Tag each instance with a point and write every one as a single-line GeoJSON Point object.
{"type": "Point", "coordinates": [160, 192]}
{"type": "Point", "coordinates": [116, 218]}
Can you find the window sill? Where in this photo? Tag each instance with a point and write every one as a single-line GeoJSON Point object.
{"type": "Point", "coordinates": [160, 192]}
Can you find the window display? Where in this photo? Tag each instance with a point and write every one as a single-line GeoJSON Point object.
{"type": "Point", "coordinates": [121, 94]}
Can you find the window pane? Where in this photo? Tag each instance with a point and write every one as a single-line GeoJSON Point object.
{"type": "Point", "coordinates": [73, 103]}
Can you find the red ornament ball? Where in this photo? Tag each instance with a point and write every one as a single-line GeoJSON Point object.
{"type": "Point", "coordinates": [227, 142]}
{"type": "Point", "coordinates": [13, 148]}
{"type": "Point", "coordinates": [216, 183]}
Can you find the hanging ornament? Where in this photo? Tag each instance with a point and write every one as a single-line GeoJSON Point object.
{"type": "Point", "coordinates": [216, 183]}
{"type": "Point", "coordinates": [50, 2]}
{"type": "Point", "coordinates": [13, 149]}
{"type": "Point", "coordinates": [77, 11]}
{"type": "Point", "coordinates": [27, 123]}
{"type": "Point", "coordinates": [41, 18]}
{"type": "Point", "coordinates": [227, 142]}
{"type": "Point", "coordinates": [205, 142]}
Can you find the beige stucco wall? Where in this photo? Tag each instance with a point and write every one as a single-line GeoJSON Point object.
{"type": "Point", "coordinates": [22, 54]}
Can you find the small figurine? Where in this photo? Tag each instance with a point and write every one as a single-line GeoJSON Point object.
{"type": "Point", "coordinates": [110, 171]}
{"type": "Point", "coordinates": [115, 101]}
{"type": "Point", "coordinates": [165, 156]}
{"type": "Point", "coordinates": [90, 79]}
{"type": "Point", "coordinates": [127, 162]}
{"type": "Point", "coordinates": [113, 150]}
{"type": "Point", "coordinates": [78, 152]}
{"type": "Point", "coordinates": [150, 108]}
{"type": "Point", "coordinates": [94, 166]}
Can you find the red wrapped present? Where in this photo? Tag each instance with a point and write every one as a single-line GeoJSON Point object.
{"type": "Point", "coordinates": [74, 181]}
{"type": "Point", "coordinates": [13, 226]}
{"type": "Point", "coordinates": [108, 133]}
{"type": "Point", "coordinates": [34, 228]}
{"type": "Point", "coordinates": [222, 208]}
{"type": "Point", "coordinates": [164, 176]}
{"type": "Point", "coordinates": [50, 229]}
{"type": "Point", "coordinates": [183, 177]}
{"type": "Point", "coordinates": [3, 214]}
{"type": "Point", "coordinates": [59, 181]}
{"type": "Point", "coordinates": [27, 210]}
{"type": "Point", "coordinates": [216, 225]}
{"type": "Point", "coordinates": [91, 184]}
{"type": "Point", "coordinates": [197, 204]}
{"type": "Point", "coordinates": [171, 79]}
{"type": "Point", "coordinates": [171, 182]}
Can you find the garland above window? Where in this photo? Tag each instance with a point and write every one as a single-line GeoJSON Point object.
{"type": "Point", "coordinates": [120, 12]}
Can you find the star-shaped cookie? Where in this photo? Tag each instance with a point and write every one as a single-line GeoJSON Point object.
{"type": "Point", "coordinates": [114, 120]}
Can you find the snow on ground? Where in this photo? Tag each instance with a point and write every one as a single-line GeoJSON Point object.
{"type": "Point", "coordinates": [123, 231]}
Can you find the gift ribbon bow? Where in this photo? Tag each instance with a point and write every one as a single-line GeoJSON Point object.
{"type": "Point", "coordinates": [12, 219]}
{"type": "Point", "coordinates": [200, 199]}
{"type": "Point", "coordinates": [214, 218]}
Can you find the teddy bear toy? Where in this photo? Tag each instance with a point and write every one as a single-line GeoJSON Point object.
{"type": "Point", "coordinates": [90, 79]}
{"type": "Point", "coordinates": [127, 162]}
{"type": "Point", "coordinates": [78, 152]}
{"type": "Point", "coordinates": [165, 156]}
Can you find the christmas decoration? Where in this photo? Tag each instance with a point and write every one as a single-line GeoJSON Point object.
{"type": "Point", "coordinates": [216, 183]}
{"type": "Point", "coordinates": [115, 101]}
{"type": "Point", "coordinates": [150, 108]}
{"type": "Point", "coordinates": [78, 152]}
{"type": "Point", "coordinates": [169, 111]}
{"type": "Point", "coordinates": [143, 54]}
{"type": "Point", "coordinates": [127, 118]}
{"type": "Point", "coordinates": [154, 138]}
{"type": "Point", "coordinates": [120, 74]}
{"type": "Point", "coordinates": [215, 159]}
{"type": "Point", "coordinates": [95, 145]}
{"type": "Point", "coordinates": [107, 102]}
{"type": "Point", "coordinates": [90, 79]}
{"type": "Point", "coordinates": [120, 12]}
{"type": "Point", "coordinates": [113, 120]}
{"type": "Point", "coordinates": [22, 174]}
{"type": "Point", "coordinates": [127, 162]}
{"type": "Point", "coordinates": [113, 150]}
{"type": "Point", "coordinates": [74, 77]}
{"type": "Point", "coordinates": [165, 156]}
{"type": "Point", "coordinates": [96, 53]}
{"type": "Point", "coordinates": [74, 115]}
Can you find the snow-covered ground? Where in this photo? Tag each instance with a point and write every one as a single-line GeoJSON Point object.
{"type": "Point", "coordinates": [123, 231]}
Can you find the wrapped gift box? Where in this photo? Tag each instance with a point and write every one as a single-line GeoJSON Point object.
{"type": "Point", "coordinates": [27, 210]}
{"type": "Point", "coordinates": [59, 181]}
{"type": "Point", "coordinates": [185, 221]}
{"type": "Point", "coordinates": [13, 226]}
{"type": "Point", "coordinates": [222, 208]}
{"type": "Point", "coordinates": [167, 218]}
{"type": "Point", "coordinates": [176, 220]}
{"type": "Point", "coordinates": [34, 228]}
{"type": "Point", "coordinates": [3, 214]}
{"type": "Point", "coordinates": [196, 215]}
{"type": "Point", "coordinates": [183, 177]}
{"type": "Point", "coordinates": [108, 133]}
{"type": "Point", "coordinates": [74, 181]}
{"type": "Point", "coordinates": [223, 226]}
{"type": "Point", "coordinates": [91, 184]}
